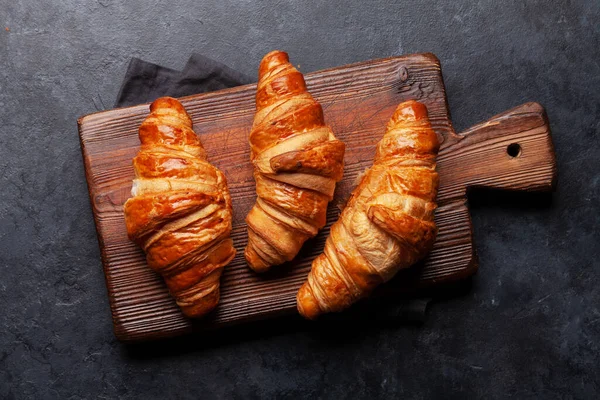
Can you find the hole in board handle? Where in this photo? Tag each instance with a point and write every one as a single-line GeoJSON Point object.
{"type": "Point", "coordinates": [513, 150]}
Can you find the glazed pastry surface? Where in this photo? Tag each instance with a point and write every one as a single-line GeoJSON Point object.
{"type": "Point", "coordinates": [180, 213]}
{"type": "Point", "coordinates": [297, 162]}
{"type": "Point", "coordinates": [387, 224]}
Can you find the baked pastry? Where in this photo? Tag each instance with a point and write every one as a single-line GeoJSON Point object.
{"type": "Point", "coordinates": [180, 212]}
{"type": "Point", "coordinates": [297, 162]}
{"type": "Point", "coordinates": [387, 224]}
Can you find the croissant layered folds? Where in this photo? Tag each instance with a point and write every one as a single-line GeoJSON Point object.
{"type": "Point", "coordinates": [387, 224]}
{"type": "Point", "coordinates": [297, 162]}
{"type": "Point", "coordinates": [180, 213]}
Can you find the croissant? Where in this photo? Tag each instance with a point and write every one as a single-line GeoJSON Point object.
{"type": "Point", "coordinates": [387, 224]}
{"type": "Point", "coordinates": [180, 213]}
{"type": "Point", "coordinates": [297, 162]}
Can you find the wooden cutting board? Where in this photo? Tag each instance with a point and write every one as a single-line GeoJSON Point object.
{"type": "Point", "coordinates": [511, 151]}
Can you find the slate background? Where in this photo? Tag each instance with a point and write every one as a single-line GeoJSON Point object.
{"type": "Point", "coordinates": [528, 325]}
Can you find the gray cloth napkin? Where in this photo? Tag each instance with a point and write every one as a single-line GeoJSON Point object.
{"type": "Point", "coordinates": [144, 82]}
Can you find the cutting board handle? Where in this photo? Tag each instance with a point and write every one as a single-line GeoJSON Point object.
{"type": "Point", "coordinates": [511, 151]}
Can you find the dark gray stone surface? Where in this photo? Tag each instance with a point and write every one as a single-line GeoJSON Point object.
{"type": "Point", "coordinates": [529, 326]}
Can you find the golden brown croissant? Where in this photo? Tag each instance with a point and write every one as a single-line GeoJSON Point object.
{"type": "Point", "coordinates": [180, 212]}
{"type": "Point", "coordinates": [297, 162]}
{"type": "Point", "coordinates": [388, 222]}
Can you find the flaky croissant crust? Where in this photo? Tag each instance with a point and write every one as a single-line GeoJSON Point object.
{"type": "Point", "coordinates": [180, 213]}
{"type": "Point", "coordinates": [297, 162]}
{"type": "Point", "coordinates": [387, 224]}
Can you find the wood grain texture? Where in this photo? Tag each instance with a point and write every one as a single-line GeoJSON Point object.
{"type": "Point", "coordinates": [357, 100]}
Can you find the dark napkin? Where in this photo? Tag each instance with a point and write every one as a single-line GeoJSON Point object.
{"type": "Point", "coordinates": [144, 82]}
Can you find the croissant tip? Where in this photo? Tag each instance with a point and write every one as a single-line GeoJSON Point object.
{"type": "Point", "coordinates": [306, 315]}
{"type": "Point", "coordinates": [272, 60]}
{"type": "Point", "coordinates": [202, 307]}
{"type": "Point", "coordinates": [254, 262]}
{"type": "Point", "coordinates": [409, 111]}
{"type": "Point", "coordinates": [303, 313]}
{"type": "Point", "coordinates": [306, 303]}
{"type": "Point", "coordinates": [275, 52]}
{"type": "Point", "coordinates": [168, 105]}
{"type": "Point", "coordinates": [165, 102]}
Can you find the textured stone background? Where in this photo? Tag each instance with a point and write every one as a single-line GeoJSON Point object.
{"type": "Point", "coordinates": [528, 326]}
